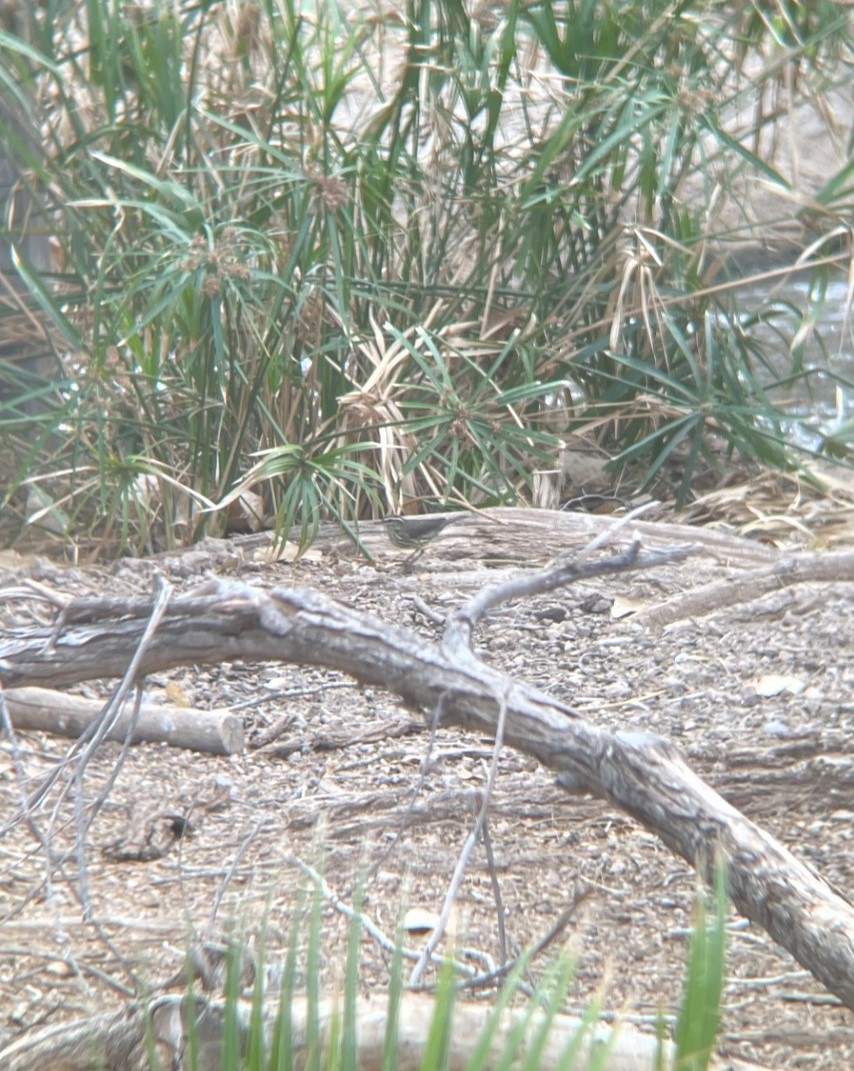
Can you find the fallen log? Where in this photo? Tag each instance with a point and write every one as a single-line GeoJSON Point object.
{"type": "Point", "coordinates": [217, 732]}
{"type": "Point", "coordinates": [122, 1042]}
{"type": "Point", "coordinates": [639, 772]}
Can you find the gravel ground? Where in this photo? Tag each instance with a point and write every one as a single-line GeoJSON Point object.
{"type": "Point", "coordinates": [750, 692]}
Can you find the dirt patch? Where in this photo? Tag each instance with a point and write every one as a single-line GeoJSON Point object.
{"type": "Point", "coordinates": [758, 695]}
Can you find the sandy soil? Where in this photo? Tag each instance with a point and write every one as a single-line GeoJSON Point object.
{"type": "Point", "coordinates": [750, 692]}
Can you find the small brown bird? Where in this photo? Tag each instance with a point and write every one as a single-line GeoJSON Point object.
{"type": "Point", "coordinates": [414, 533]}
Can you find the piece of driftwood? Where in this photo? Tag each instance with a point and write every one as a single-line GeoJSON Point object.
{"type": "Point", "coordinates": [816, 765]}
{"type": "Point", "coordinates": [218, 732]}
{"type": "Point", "coordinates": [118, 1042]}
{"type": "Point", "coordinates": [739, 589]}
{"type": "Point", "coordinates": [639, 772]}
{"type": "Point", "coordinates": [510, 535]}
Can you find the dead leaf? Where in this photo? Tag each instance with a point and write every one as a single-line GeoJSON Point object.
{"type": "Point", "coordinates": [622, 607]}
{"type": "Point", "coordinates": [776, 683]}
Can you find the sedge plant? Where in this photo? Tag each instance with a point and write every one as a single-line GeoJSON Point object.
{"type": "Point", "coordinates": [396, 257]}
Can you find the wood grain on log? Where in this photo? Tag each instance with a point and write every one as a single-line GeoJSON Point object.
{"type": "Point", "coordinates": [739, 589]}
{"type": "Point", "coordinates": [217, 732]}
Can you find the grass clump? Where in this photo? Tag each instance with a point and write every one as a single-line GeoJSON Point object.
{"type": "Point", "coordinates": [353, 258]}
{"type": "Point", "coordinates": [524, 1028]}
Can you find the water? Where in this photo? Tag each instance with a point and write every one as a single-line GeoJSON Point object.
{"type": "Point", "coordinates": [825, 337]}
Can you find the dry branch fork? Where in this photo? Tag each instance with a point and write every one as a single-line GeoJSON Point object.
{"type": "Point", "coordinates": [641, 773]}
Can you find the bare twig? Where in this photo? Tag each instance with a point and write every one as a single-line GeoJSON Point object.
{"type": "Point", "coordinates": [496, 894]}
{"type": "Point", "coordinates": [559, 574]}
{"type": "Point", "coordinates": [423, 770]}
{"type": "Point", "coordinates": [481, 981]}
{"type": "Point", "coordinates": [382, 939]}
{"type": "Point", "coordinates": [465, 853]}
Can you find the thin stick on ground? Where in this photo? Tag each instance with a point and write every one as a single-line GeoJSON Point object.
{"type": "Point", "coordinates": [465, 853]}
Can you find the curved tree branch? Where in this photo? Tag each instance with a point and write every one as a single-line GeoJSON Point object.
{"type": "Point", "coordinates": [641, 773]}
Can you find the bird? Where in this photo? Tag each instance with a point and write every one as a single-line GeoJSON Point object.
{"type": "Point", "coordinates": [414, 533]}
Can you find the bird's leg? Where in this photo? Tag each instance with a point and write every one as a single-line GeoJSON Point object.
{"type": "Point", "coordinates": [409, 562]}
